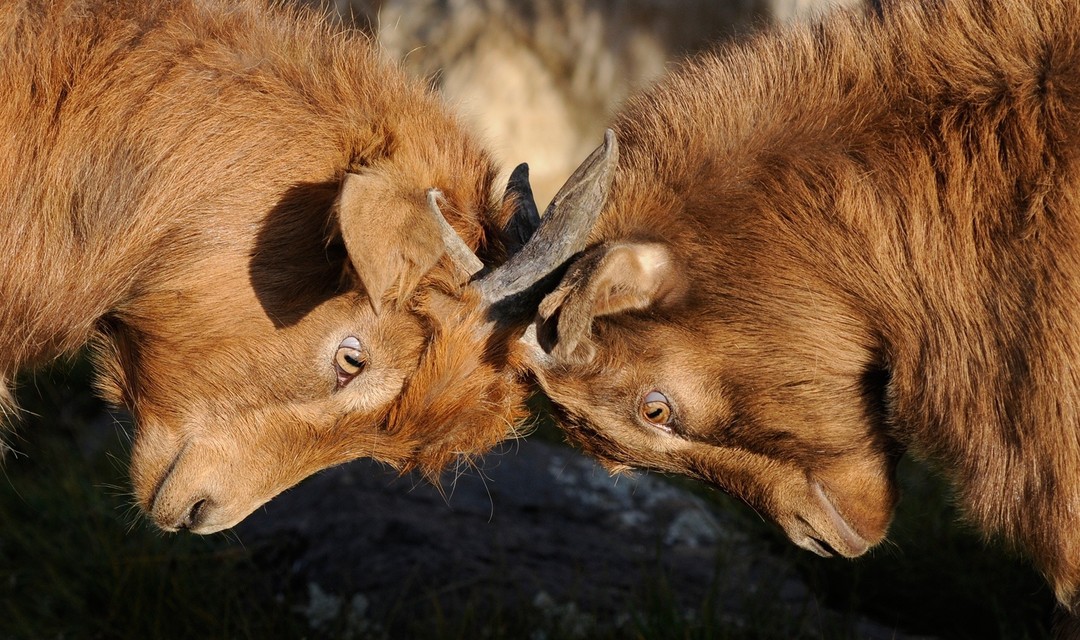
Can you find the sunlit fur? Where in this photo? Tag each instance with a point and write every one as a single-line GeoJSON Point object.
{"type": "Point", "coordinates": [169, 173]}
{"type": "Point", "coordinates": [466, 396]}
{"type": "Point", "coordinates": [879, 221]}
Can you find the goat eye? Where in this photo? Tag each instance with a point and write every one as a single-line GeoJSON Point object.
{"type": "Point", "coordinates": [349, 360]}
{"type": "Point", "coordinates": [656, 409]}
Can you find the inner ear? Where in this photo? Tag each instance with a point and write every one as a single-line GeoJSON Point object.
{"type": "Point", "coordinates": [390, 240]}
{"type": "Point", "coordinates": [606, 280]}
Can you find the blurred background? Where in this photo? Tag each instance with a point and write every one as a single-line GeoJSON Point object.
{"type": "Point", "coordinates": [539, 543]}
{"type": "Point", "coordinates": [539, 79]}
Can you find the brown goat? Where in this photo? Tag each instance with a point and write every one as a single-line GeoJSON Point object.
{"type": "Point", "coordinates": [835, 243]}
{"type": "Point", "coordinates": [233, 202]}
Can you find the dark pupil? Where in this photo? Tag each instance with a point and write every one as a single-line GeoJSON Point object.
{"type": "Point", "coordinates": [655, 413]}
{"type": "Point", "coordinates": [354, 360]}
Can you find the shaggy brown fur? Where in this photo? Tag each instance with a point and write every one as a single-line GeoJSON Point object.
{"type": "Point", "coordinates": [542, 78]}
{"type": "Point", "coordinates": [838, 242]}
{"type": "Point", "coordinates": [171, 173]}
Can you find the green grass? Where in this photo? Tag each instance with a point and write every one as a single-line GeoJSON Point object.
{"type": "Point", "coordinates": [77, 562]}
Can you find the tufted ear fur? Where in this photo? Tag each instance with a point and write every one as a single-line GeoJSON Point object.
{"type": "Point", "coordinates": [391, 242]}
{"type": "Point", "coordinates": [606, 280]}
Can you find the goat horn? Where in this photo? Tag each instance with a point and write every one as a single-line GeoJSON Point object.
{"type": "Point", "coordinates": [459, 252]}
{"type": "Point", "coordinates": [526, 219]}
{"type": "Point", "coordinates": [562, 232]}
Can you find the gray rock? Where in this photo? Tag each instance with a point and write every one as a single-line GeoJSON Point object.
{"type": "Point", "coordinates": [539, 528]}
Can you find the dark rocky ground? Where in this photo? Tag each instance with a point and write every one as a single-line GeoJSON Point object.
{"type": "Point", "coordinates": [540, 543]}
{"type": "Point", "coordinates": [539, 528]}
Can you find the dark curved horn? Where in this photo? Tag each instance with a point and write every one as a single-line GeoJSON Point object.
{"type": "Point", "coordinates": [459, 252]}
{"type": "Point", "coordinates": [563, 231]}
{"type": "Point", "coordinates": [526, 219]}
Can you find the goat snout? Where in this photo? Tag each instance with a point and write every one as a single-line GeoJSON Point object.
{"type": "Point", "coordinates": [194, 515]}
{"type": "Point", "coordinates": [184, 498]}
{"type": "Point", "coordinates": [819, 527]}
{"type": "Point", "coordinates": [171, 513]}
{"type": "Point", "coordinates": [193, 512]}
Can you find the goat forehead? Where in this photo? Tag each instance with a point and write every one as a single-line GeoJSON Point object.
{"type": "Point", "coordinates": [659, 352]}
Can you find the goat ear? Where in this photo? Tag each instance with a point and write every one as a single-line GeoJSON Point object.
{"type": "Point", "coordinates": [390, 239]}
{"type": "Point", "coordinates": [606, 280]}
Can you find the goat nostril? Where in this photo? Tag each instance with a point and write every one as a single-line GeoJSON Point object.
{"type": "Point", "coordinates": [193, 517]}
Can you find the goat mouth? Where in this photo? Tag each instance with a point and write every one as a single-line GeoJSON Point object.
{"type": "Point", "coordinates": [818, 546]}
{"type": "Point", "coordinates": [852, 544]}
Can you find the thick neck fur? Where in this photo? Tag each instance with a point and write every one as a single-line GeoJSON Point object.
{"type": "Point", "coordinates": [918, 172]}
{"type": "Point", "coordinates": [139, 138]}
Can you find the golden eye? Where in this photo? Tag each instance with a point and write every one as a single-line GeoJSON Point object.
{"type": "Point", "coordinates": [349, 360]}
{"type": "Point", "coordinates": [656, 409]}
